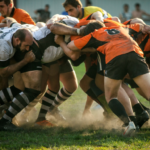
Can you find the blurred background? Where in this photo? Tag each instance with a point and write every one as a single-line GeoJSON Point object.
{"type": "Point", "coordinates": [114, 7]}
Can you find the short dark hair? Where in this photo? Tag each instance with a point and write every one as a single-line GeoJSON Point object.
{"type": "Point", "coordinates": [126, 5]}
{"type": "Point", "coordinates": [21, 34]}
{"type": "Point", "coordinates": [94, 24]}
{"type": "Point", "coordinates": [7, 2]}
{"type": "Point", "coordinates": [46, 5]}
{"type": "Point", "coordinates": [137, 5]}
{"type": "Point", "coordinates": [73, 3]}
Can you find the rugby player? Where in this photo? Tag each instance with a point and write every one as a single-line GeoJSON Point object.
{"type": "Point", "coordinates": [7, 9]}
{"type": "Point", "coordinates": [94, 89]}
{"type": "Point", "coordinates": [112, 83]}
{"type": "Point", "coordinates": [74, 8]}
{"type": "Point", "coordinates": [40, 47]}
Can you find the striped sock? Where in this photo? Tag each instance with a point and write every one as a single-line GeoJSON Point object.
{"type": "Point", "coordinates": [19, 102]}
{"type": "Point", "coordinates": [47, 101]}
{"type": "Point", "coordinates": [8, 94]}
{"type": "Point", "coordinates": [62, 96]}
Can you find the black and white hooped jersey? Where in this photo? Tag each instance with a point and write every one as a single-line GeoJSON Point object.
{"type": "Point", "coordinates": [6, 35]}
{"type": "Point", "coordinates": [50, 51]}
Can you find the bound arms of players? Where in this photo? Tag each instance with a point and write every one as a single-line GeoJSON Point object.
{"type": "Point", "coordinates": [11, 69]}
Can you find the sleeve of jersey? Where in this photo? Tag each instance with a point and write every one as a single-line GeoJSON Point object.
{"type": "Point", "coordinates": [127, 22]}
{"type": "Point", "coordinates": [82, 42]}
{"type": "Point", "coordinates": [135, 27]}
{"type": "Point", "coordinates": [27, 19]}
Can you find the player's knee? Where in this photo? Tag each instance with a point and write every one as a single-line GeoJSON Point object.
{"type": "Point", "coordinates": [82, 83]}
{"type": "Point", "coordinates": [72, 88]}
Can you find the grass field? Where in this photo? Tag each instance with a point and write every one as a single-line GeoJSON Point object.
{"type": "Point", "coordinates": [94, 134]}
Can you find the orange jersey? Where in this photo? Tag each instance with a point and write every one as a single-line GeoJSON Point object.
{"type": "Point", "coordinates": [127, 22]}
{"type": "Point", "coordinates": [144, 42]}
{"type": "Point", "coordinates": [108, 23]}
{"type": "Point", "coordinates": [111, 41]}
{"type": "Point", "coordinates": [21, 16]}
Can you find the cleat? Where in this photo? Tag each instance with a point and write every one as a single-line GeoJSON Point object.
{"type": "Point", "coordinates": [130, 129]}
{"type": "Point", "coordinates": [142, 118]}
{"type": "Point", "coordinates": [57, 114]}
{"type": "Point", "coordinates": [44, 123]}
{"type": "Point", "coordinates": [7, 126]}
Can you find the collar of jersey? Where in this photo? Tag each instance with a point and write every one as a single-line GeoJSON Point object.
{"type": "Point", "coordinates": [12, 12]}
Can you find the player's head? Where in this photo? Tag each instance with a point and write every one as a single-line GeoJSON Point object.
{"type": "Point", "coordinates": [90, 27]}
{"type": "Point", "coordinates": [6, 7]}
{"type": "Point", "coordinates": [23, 39]}
{"type": "Point", "coordinates": [73, 7]}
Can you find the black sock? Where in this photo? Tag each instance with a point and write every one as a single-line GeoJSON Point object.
{"type": "Point", "coordinates": [145, 108]}
{"type": "Point", "coordinates": [133, 118]}
{"type": "Point", "coordinates": [118, 109]}
{"type": "Point", "coordinates": [138, 109]}
{"type": "Point", "coordinates": [91, 94]}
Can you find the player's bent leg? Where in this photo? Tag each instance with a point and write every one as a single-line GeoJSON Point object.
{"type": "Point", "coordinates": [125, 101]}
{"type": "Point", "coordinates": [18, 82]}
{"type": "Point", "coordinates": [53, 88]}
{"type": "Point", "coordinates": [69, 80]}
{"type": "Point", "coordinates": [7, 95]}
{"type": "Point", "coordinates": [3, 83]}
{"type": "Point", "coordinates": [18, 103]}
{"type": "Point", "coordinates": [111, 92]}
{"type": "Point", "coordinates": [85, 85]}
{"type": "Point", "coordinates": [144, 83]}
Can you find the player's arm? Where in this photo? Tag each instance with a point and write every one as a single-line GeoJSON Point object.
{"type": "Point", "coordinates": [73, 53]}
{"type": "Point", "coordinates": [56, 18]}
{"type": "Point", "coordinates": [97, 16]}
{"type": "Point", "coordinates": [3, 25]}
{"type": "Point", "coordinates": [116, 19]}
{"type": "Point", "coordinates": [145, 29]}
{"type": "Point", "coordinates": [26, 19]}
{"type": "Point", "coordinates": [9, 21]}
{"type": "Point", "coordinates": [62, 29]}
{"type": "Point", "coordinates": [137, 20]}
{"type": "Point", "coordinates": [11, 69]}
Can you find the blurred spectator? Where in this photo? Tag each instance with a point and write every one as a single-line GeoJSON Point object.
{"type": "Point", "coordinates": [44, 14]}
{"type": "Point", "coordinates": [138, 13]}
{"type": "Point", "coordinates": [125, 15]}
{"type": "Point", "coordinates": [88, 3]}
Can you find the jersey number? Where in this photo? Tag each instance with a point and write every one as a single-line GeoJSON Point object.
{"type": "Point", "coordinates": [112, 31]}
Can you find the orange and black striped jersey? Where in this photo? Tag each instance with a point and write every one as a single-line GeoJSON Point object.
{"type": "Point", "coordinates": [143, 41]}
{"type": "Point", "coordinates": [21, 16]}
{"type": "Point", "coordinates": [111, 41]}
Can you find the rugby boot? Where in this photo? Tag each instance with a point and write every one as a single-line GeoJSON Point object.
{"type": "Point", "coordinates": [56, 113]}
{"type": "Point", "coordinates": [142, 118]}
{"type": "Point", "coordinates": [129, 129]}
{"type": "Point", "coordinates": [44, 123]}
{"type": "Point", "coordinates": [7, 126]}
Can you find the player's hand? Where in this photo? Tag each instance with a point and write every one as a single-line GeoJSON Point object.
{"type": "Point", "coordinates": [49, 25]}
{"type": "Point", "coordinates": [59, 39]}
{"type": "Point", "coordinates": [146, 29]}
{"type": "Point", "coordinates": [8, 21]}
{"type": "Point", "coordinates": [29, 57]}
